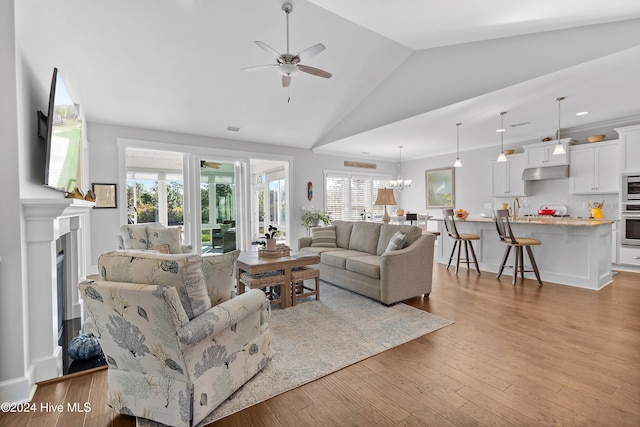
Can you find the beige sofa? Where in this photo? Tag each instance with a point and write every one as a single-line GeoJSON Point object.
{"type": "Point", "coordinates": [361, 261]}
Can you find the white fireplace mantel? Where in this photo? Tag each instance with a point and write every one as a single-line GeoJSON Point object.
{"type": "Point", "coordinates": [48, 220]}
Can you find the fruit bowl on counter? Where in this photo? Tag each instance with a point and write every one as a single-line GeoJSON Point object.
{"type": "Point", "coordinates": [461, 214]}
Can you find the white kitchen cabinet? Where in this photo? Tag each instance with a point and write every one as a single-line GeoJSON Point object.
{"type": "Point", "coordinates": [629, 148]}
{"type": "Point", "coordinates": [541, 154]}
{"type": "Point", "coordinates": [507, 177]}
{"type": "Point", "coordinates": [629, 256]}
{"type": "Point", "coordinates": [595, 168]}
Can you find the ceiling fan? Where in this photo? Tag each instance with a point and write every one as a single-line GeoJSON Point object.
{"type": "Point", "coordinates": [286, 63]}
{"type": "Point", "coordinates": [210, 165]}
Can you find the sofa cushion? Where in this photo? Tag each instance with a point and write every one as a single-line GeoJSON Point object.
{"type": "Point", "coordinates": [339, 258]}
{"type": "Point", "coordinates": [397, 241]}
{"type": "Point", "coordinates": [324, 237]}
{"type": "Point", "coordinates": [369, 265]}
{"type": "Point", "coordinates": [183, 271]}
{"type": "Point", "coordinates": [134, 236]}
{"type": "Point", "coordinates": [319, 250]}
{"type": "Point", "coordinates": [343, 233]}
{"type": "Point", "coordinates": [387, 230]}
{"type": "Point", "coordinates": [364, 237]}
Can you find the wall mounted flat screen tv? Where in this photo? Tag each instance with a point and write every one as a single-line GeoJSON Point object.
{"type": "Point", "coordinates": [60, 130]}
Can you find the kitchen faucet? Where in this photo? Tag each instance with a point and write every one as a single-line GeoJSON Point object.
{"type": "Point", "coordinates": [515, 212]}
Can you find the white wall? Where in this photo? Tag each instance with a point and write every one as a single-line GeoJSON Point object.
{"type": "Point", "coordinates": [27, 60]}
{"type": "Point", "coordinates": [307, 166]}
{"type": "Point", "coordinates": [14, 381]}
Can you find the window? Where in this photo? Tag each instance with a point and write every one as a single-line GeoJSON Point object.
{"type": "Point", "coordinates": [348, 195]}
{"type": "Point", "coordinates": [155, 197]}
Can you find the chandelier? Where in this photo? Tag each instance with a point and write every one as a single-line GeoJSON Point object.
{"type": "Point", "coordinates": [400, 183]}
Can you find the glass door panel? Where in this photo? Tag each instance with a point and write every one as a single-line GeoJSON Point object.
{"type": "Point", "coordinates": [218, 206]}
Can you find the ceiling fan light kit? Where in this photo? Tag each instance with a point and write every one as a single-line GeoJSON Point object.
{"type": "Point", "coordinates": [288, 64]}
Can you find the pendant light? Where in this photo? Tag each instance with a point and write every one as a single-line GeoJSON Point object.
{"type": "Point", "coordinates": [559, 147]}
{"type": "Point", "coordinates": [502, 157]}
{"type": "Point", "coordinates": [458, 163]}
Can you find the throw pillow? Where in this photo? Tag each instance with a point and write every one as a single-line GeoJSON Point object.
{"type": "Point", "coordinates": [134, 236]}
{"type": "Point", "coordinates": [219, 275]}
{"type": "Point", "coordinates": [159, 236]}
{"type": "Point", "coordinates": [397, 241]}
{"type": "Point", "coordinates": [323, 237]}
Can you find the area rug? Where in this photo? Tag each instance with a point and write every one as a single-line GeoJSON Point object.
{"type": "Point", "coordinates": [316, 338]}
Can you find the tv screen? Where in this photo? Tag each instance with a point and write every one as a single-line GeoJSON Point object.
{"type": "Point", "coordinates": [62, 137]}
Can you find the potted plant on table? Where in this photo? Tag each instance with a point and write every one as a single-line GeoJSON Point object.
{"type": "Point", "coordinates": [270, 238]}
{"type": "Point", "coordinates": [312, 218]}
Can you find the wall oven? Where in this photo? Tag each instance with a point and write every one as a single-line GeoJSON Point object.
{"type": "Point", "coordinates": [630, 224]}
{"type": "Point", "coordinates": [631, 187]}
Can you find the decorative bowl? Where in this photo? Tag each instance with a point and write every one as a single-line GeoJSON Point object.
{"type": "Point", "coordinates": [595, 138]}
{"type": "Point", "coordinates": [462, 215]}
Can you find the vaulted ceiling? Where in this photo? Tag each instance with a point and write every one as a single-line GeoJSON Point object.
{"type": "Point", "coordinates": [404, 73]}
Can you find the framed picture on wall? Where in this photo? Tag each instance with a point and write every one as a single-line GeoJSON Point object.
{"type": "Point", "coordinates": [106, 195]}
{"type": "Point", "coordinates": [440, 187]}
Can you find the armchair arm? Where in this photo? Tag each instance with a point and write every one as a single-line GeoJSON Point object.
{"type": "Point", "coordinates": [412, 266]}
{"type": "Point", "coordinates": [221, 317]}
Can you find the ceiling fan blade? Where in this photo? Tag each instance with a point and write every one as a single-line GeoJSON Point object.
{"type": "Point", "coordinates": [310, 52]}
{"type": "Point", "coordinates": [286, 81]}
{"type": "Point", "coordinates": [258, 67]}
{"type": "Point", "coordinates": [268, 49]}
{"type": "Point", "coordinates": [315, 71]}
{"type": "Point", "coordinates": [212, 165]}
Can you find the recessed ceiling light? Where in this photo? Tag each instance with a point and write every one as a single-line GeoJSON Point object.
{"type": "Point", "coordinates": [500, 130]}
{"type": "Point", "coordinates": [364, 152]}
{"type": "Point", "coordinates": [233, 128]}
{"type": "Point", "coordinates": [582, 113]}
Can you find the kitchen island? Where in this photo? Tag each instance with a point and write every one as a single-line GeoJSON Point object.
{"type": "Point", "coordinates": [574, 251]}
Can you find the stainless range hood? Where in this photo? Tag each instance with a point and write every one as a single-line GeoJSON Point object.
{"type": "Point", "coordinates": [546, 172]}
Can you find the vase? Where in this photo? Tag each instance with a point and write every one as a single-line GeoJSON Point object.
{"type": "Point", "coordinates": [271, 244]}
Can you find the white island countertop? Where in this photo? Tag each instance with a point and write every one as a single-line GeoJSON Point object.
{"type": "Point", "coordinates": [552, 220]}
{"type": "Point", "coordinates": [574, 251]}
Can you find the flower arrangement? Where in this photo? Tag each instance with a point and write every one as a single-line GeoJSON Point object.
{"type": "Point", "coordinates": [313, 218]}
{"type": "Point", "coordinates": [365, 214]}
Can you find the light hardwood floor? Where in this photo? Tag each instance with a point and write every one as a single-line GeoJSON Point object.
{"type": "Point", "coordinates": [519, 355]}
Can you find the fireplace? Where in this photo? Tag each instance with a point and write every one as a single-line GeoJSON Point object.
{"type": "Point", "coordinates": [53, 226]}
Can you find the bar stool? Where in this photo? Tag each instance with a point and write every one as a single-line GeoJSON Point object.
{"type": "Point", "coordinates": [460, 240]}
{"type": "Point", "coordinates": [298, 288]}
{"type": "Point", "coordinates": [506, 236]}
{"type": "Point", "coordinates": [271, 282]}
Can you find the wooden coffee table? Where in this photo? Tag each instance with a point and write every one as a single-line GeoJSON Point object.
{"type": "Point", "coordinates": [251, 263]}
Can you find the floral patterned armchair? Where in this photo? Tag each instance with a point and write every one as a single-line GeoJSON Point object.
{"type": "Point", "coordinates": [173, 358]}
